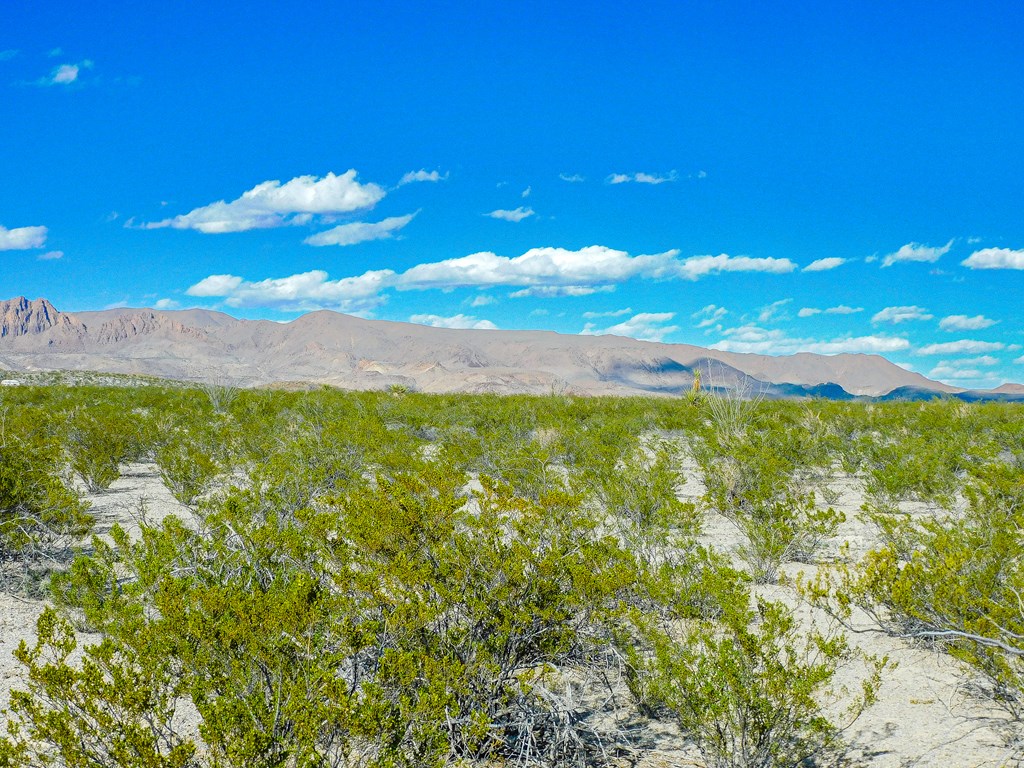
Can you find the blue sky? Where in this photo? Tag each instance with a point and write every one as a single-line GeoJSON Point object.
{"type": "Point", "coordinates": [772, 178]}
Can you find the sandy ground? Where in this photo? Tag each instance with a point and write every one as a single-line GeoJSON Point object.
{"type": "Point", "coordinates": [925, 716]}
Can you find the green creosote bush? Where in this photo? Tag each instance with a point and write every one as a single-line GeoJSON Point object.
{"type": "Point", "coordinates": [345, 598]}
{"type": "Point", "coordinates": [753, 479]}
{"type": "Point", "coordinates": [395, 627]}
{"type": "Point", "coordinates": [749, 688]}
{"type": "Point", "coordinates": [954, 581]}
{"type": "Point", "coordinates": [98, 440]}
{"type": "Point", "coordinates": [187, 467]}
{"type": "Point", "coordinates": [40, 517]}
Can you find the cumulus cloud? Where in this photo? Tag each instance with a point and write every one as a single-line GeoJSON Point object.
{"type": "Point", "coordinates": [22, 238]}
{"type": "Point", "coordinates": [995, 258]}
{"type": "Point", "coordinates": [301, 292]}
{"type": "Point", "coordinates": [610, 313]}
{"type": "Point", "coordinates": [696, 267]}
{"type": "Point", "coordinates": [456, 321]}
{"type": "Point", "coordinates": [647, 326]}
{"type": "Point", "coordinates": [64, 74]}
{"type": "Point", "coordinates": [548, 271]}
{"type": "Point", "coordinates": [961, 347]}
{"type": "Point", "coordinates": [482, 300]}
{"type": "Point", "coordinates": [822, 265]}
{"type": "Point", "coordinates": [573, 178]}
{"type": "Point", "coordinates": [166, 304]}
{"type": "Point", "coordinates": [360, 231]}
{"type": "Point", "coordinates": [901, 315]}
{"type": "Point", "coordinates": [965, 323]}
{"type": "Point", "coordinates": [946, 373]}
{"type": "Point", "coordinates": [769, 312]}
{"type": "Point", "coordinates": [964, 368]}
{"type": "Point", "coordinates": [526, 192]}
{"type": "Point", "coordinates": [709, 315]}
{"type": "Point", "coordinates": [50, 256]}
{"type": "Point", "coordinates": [764, 341]}
{"type": "Point", "coordinates": [642, 178]}
{"type": "Point", "coordinates": [516, 215]}
{"type": "Point", "coordinates": [842, 309]}
{"type": "Point", "coordinates": [558, 291]}
{"type": "Point", "coordinates": [422, 175]}
{"type": "Point", "coordinates": [273, 204]}
{"type": "Point", "coordinates": [916, 252]}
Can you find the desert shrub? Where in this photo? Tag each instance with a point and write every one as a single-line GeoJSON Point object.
{"type": "Point", "coordinates": [750, 687]}
{"type": "Point", "coordinates": [398, 625]}
{"type": "Point", "coordinates": [638, 495]}
{"type": "Point", "coordinates": [98, 439]}
{"type": "Point", "coordinates": [40, 517]}
{"type": "Point", "coordinates": [955, 581]}
{"type": "Point", "coordinates": [753, 478]}
{"type": "Point", "coordinates": [187, 462]}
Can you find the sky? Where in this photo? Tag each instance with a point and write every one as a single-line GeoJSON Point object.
{"type": "Point", "coordinates": [755, 177]}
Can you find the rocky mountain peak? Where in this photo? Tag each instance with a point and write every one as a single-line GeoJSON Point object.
{"type": "Point", "coordinates": [21, 317]}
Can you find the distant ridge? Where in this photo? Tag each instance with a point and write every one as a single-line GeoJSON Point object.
{"type": "Point", "coordinates": [326, 347]}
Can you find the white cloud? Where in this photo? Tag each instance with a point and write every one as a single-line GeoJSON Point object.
{"type": "Point", "coordinates": [301, 292]}
{"type": "Point", "coordinates": [995, 258]}
{"type": "Point", "coordinates": [573, 178]}
{"type": "Point", "coordinates": [983, 360]}
{"type": "Point", "coordinates": [215, 285]}
{"type": "Point", "coordinates": [612, 313]}
{"type": "Point", "coordinates": [647, 326]}
{"type": "Point", "coordinates": [50, 256]}
{"type": "Point", "coordinates": [752, 338]}
{"type": "Point", "coordinates": [22, 238]}
{"type": "Point", "coordinates": [273, 204]}
{"type": "Point", "coordinates": [916, 252]}
{"type": "Point", "coordinates": [842, 309]}
{"type": "Point", "coordinates": [964, 368]}
{"type": "Point", "coordinates": [698, 266]}
{"type": "Point", "coordinates": [548, 271]}
{"type": "Point", "coordinates": [946, 372]}
{"type": "Point", "coordinates": [769, 312]}
{"type": "Point", "coordinates": [166, 304]}
{"type": "Point", "coordinates": [709, 316]}
{"type": "Point", "coordinates": [360, 231]}
{"type": "Point", "coordinates": [964, 346]}
{"type": "Point", "coordinates": [558, 291]}
{"type": "Point", "coordinates": [65, 74]}
{"type": "Point", "coordinates": [1019, 360]}
{"type": "Point", "coordinates": [642, 178]}
{"type": "Point", "coordinates": [482, 300]}
{"type": "Point", "coordinates": [821, 265]}
{"type": "Point", "coordinates": [526, 192]}
{"type": "Point", "coordinates": [456, 321]}
{"type": "Point", "coordinates": [590, 266]}
{"type": "Point", "coordinates": [965, 323]}
{"type": "Point", "coordinates": [422, 175]}
{"type": "Point", "coordinates": [517, 215]}
{"type": "Point", "coordinates": [901, 315]}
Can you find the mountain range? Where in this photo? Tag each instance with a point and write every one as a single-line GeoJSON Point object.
{"type": "Point", "coordinates": [340, 350]}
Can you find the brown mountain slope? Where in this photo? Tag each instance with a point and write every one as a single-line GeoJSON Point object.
{"type": "Point", "coordinates": [332, 348]}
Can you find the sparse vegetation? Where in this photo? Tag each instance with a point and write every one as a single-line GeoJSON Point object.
{"type": "Point", "coordinates": [395, 579]}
